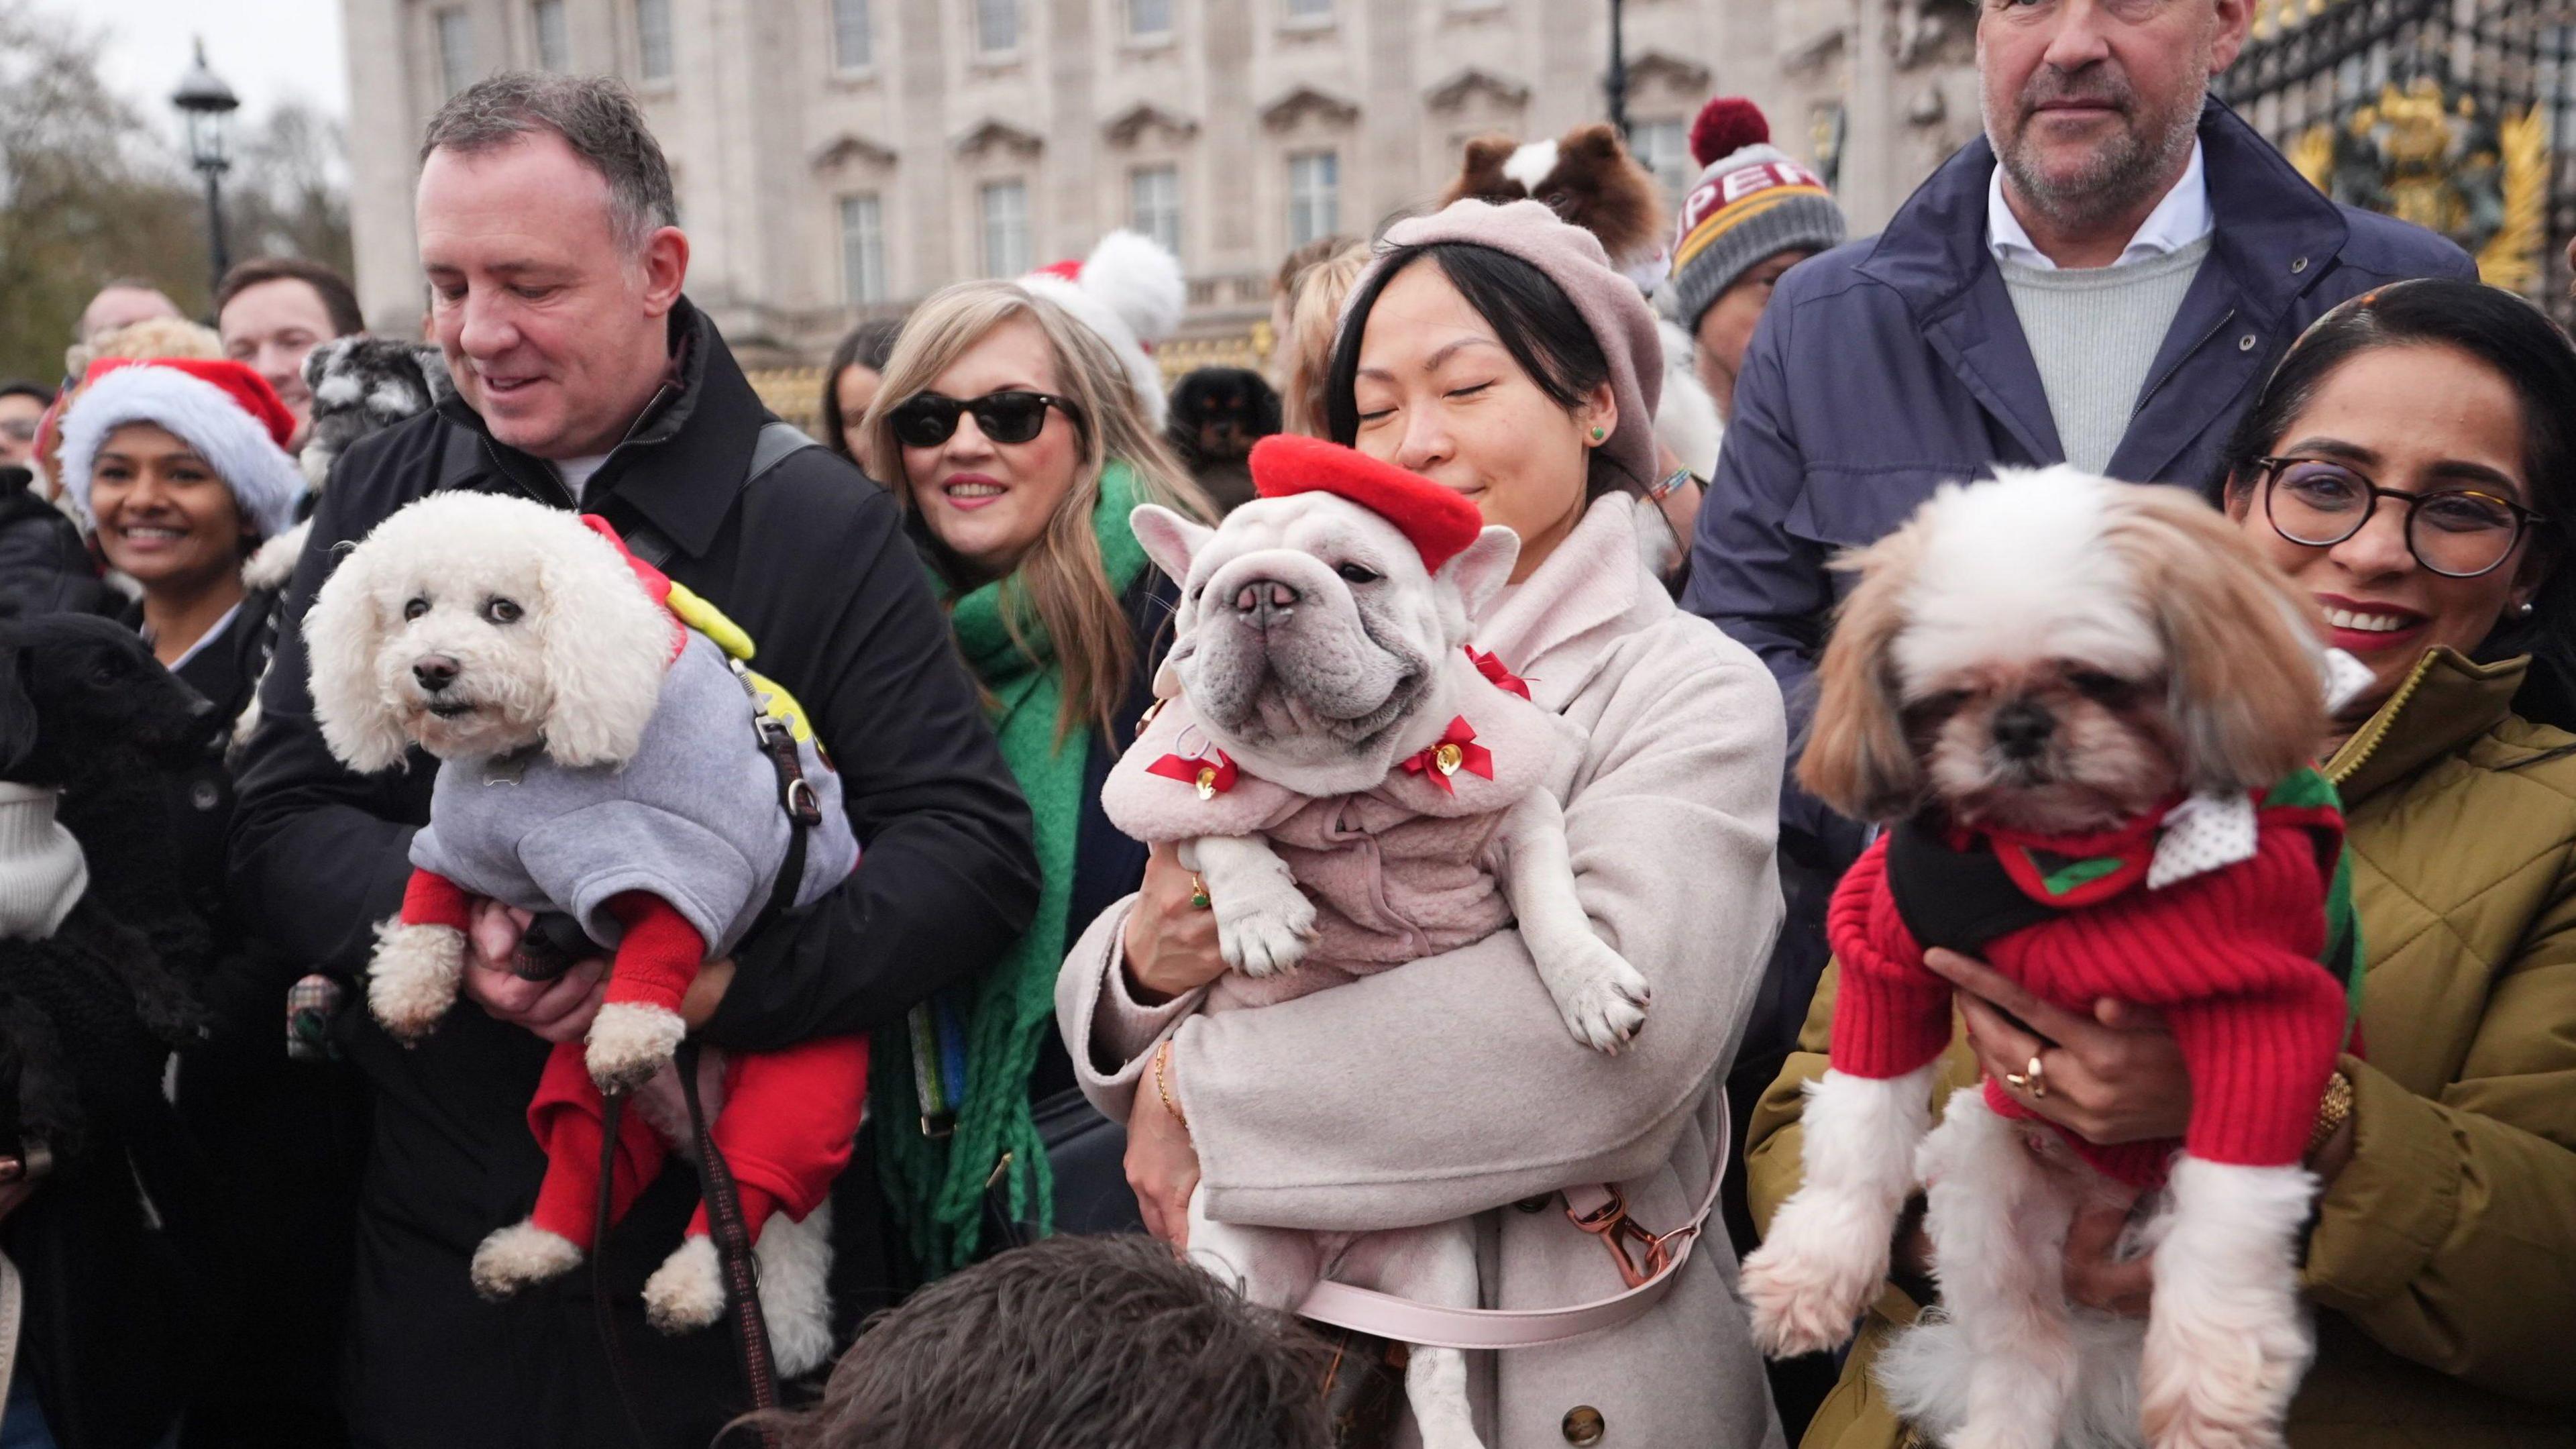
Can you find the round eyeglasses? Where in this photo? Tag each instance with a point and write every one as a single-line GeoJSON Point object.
{"type": "Point", "coordinates": [2458, 533]}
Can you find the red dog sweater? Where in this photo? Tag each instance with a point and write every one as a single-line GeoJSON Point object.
{"type": "Point", "coordinates": [2230, 956]}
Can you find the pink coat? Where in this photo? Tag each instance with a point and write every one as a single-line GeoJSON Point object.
{"type": "Point", "coordinates": [1451, 1088]}
{"type": "Point", "coordinates": [1397, 873]}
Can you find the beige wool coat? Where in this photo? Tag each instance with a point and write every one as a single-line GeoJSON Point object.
{"type": "Point", "coordinates": [1450, 1088]}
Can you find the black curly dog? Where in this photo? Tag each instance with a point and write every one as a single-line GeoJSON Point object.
{"type": "Point", "coordinates": [89, 1015]}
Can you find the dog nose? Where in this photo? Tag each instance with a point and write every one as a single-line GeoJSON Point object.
{"type": "Point", "coordinates": [435, 673]}
{"type": "Point", "coordinates": [1264, 602]}
{"type": "Point", "coordinates": [2022, 729]}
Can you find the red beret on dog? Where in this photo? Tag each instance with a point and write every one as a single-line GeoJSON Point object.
{"type": "Point", "coordinates": [1439, 521]}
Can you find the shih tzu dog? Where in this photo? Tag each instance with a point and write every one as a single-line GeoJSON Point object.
{"type": "Point", "coordinates": [1357, 789]}
{"type": "Point", "coordinates": [2085, 712]}
{"type": "Point", "coordinates": [605, 757]}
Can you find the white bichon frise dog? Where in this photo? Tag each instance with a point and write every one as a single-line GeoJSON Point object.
{"type": "Point", "coordinates": [600, 759]}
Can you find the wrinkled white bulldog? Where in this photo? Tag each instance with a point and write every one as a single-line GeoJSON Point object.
{"type": "Point", "coordinates": [1356, 788]}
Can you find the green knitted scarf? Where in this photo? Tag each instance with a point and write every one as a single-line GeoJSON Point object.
{"type": "Point", "coordinates": [950, 1096]}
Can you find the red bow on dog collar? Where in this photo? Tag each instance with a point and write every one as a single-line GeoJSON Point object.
{"type": "Point", "coordinates": [1492, 668]}
{"type": "Point", "coordinates": [1210, 776]}
{"type": "Point", "coordinates": [1457, 750]}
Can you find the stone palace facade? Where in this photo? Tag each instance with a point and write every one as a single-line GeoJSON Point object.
{"type": "Point", "coordinates": [838, 159]}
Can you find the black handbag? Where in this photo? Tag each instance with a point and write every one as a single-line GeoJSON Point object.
{"type": "Point", "coordinates": [1363, 1388]}
{"type": "Point", "coordinates": [1087, 1157]}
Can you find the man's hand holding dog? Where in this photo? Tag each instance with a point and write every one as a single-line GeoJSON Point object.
{"type": "Point", "coordinates": [1171, 945]}
{"type": "Point", "coordinates": [559, 1010]}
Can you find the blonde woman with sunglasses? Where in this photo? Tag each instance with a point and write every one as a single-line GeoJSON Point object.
{"type": "Point", "coordinates": [1016, 443]}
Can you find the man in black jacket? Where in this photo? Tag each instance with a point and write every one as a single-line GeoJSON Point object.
{"type": "Point", "coordinates": [586, 380]}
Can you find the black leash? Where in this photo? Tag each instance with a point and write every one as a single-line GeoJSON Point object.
{"type": "Point", "coordinates": [733, 1249]}
{"type": "Point", "coordinates": [612, 1107]}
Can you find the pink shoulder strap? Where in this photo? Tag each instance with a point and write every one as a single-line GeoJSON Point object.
{"type": "Point", "coordinates": [1596, 1209]}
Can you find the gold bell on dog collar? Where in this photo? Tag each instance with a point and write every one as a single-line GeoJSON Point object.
{"type": "Point", "coordinates": [1206, 782]}
{"type": "Point", "coordinates": [1447, 757]}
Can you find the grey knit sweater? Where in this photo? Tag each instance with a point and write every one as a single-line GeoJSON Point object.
{"type": "Point", "coordinates": [2094, 334]}
{"type": "Point", "coordinates": [694, 818]}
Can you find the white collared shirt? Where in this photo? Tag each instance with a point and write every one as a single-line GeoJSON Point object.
{"type": "Point", "coordinates": [2182, 218]}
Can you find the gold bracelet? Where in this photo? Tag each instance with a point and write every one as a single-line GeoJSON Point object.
{"type": "Point", "coordinates": [2333, 1110]}
{"type": "Point", "coordinates": [1163, 1086]}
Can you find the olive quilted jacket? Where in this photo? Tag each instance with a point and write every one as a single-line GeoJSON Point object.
{"type": "Point", "coordinates": [2443, 1263]}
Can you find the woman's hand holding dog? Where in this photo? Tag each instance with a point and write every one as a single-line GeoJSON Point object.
{"type": "Point", "coordinates": [1162, 1161]}
{"type": "Point", "coordinates": [2115, 1076]}
{"type": "Point", "coordinates": [1171, 945]}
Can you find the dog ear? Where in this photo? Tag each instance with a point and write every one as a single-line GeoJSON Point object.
{"type": "Point", "coordinates": [1170, 540]}
{"type": "Point", "coordinates": [343, 632]}
{"type": "Point", "coordinates": [19, 726]}
{"type": "Point", "coordinates": [1266, 416]}
{"type": "Point", "coordinates": [604, 646]}
{"type": "Point", "coordinates": [2240, 642]}
{"type": "Point", "coordinates": [1857, 759]}
{"type": "Point", "coordinates": [1480, 570]}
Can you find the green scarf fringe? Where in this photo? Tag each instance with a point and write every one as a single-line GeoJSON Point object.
{"type": "Point", "coordinates": [935, 1187]}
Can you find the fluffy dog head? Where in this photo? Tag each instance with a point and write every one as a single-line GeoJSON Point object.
{"type": "Point", "coordinates": [362, 384]}
{"type": "Point", "coordinates": [81, 696]}
{"type": "Point", "coordinates": [2053, 652]}
{"type": "Point", "coordinates": [1310, 634]}
{"type": "Point", "coordinates": [1585, 176]}
{"type": "Point", "coordinates": [474, 625]}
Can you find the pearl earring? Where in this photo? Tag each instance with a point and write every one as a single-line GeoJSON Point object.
{"type": "Point", "coordinates": [2525, 610]}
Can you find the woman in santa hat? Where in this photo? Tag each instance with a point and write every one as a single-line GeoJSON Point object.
{"type": "Point", "coordinates": [178, 470]}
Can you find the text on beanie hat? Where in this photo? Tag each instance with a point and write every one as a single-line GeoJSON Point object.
{"type": "Point", "coordinates": [1439, 522]}
{"type": "Point", "coordinates": [1751, 202]}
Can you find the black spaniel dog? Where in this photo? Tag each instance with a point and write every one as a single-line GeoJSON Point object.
{"type": "Point", "coordinates": [1218, 413]}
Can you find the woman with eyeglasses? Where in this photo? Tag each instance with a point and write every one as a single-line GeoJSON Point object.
{"type": "Point", "coordinates": [1014, 440]}
{"type": "Point", "coordinates": [2412, 465]}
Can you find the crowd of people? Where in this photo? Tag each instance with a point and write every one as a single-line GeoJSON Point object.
{"type": "Point", "coordinates": [1684, 433]}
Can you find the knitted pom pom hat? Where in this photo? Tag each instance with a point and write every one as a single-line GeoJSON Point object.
{"type": "Point", "coordinates": [225, 411]}
{"type": "Point", "coordinates": [1751, 202]}
{"type": "Point", "coordinates": [1439, 522]}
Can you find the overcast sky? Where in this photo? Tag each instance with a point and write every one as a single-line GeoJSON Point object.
{"type": "Point", "coordinates": [266, 50]}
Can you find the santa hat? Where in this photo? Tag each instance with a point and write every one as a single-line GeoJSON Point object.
{"type": "Point", "coordinates": [1439, 522]}
{"type": "Point", "coordinates": [225, 411]}
{"type": "Point", "coordinates": [1129, 291]}
{"type": "Point", "coordinates": [1751, 202]}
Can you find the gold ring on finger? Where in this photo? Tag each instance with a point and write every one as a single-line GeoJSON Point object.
{"type": "Point", "coordinates": [1198, 892]}
{"type": "Point", "coordinates": [2037, 1075]}
{"type": "Point", "coordinates": [2017, 1081]}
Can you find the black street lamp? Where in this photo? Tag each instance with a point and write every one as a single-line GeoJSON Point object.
{"type": "Point", "coordinates": [1616, 82]}
{"type": "Point", "coordinates": [207, 103]}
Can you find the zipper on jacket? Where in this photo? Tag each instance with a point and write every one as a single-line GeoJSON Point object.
{"type": "Point", "coordinates": [2383, 723]}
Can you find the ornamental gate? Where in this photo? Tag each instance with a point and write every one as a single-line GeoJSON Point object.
{"type": "Point", "coordinates": [2458, 115]}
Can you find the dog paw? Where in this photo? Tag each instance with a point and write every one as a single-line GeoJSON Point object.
{"type": "Point", "coordinates": [628, 1043]}
{"type": "Point", "coordinates": [1801, 1304]}
{"type": "Point", "coordinates": [687, 1292]}
{"type": "Point", "coordinates": [412, 980]}
{"type": "Point", "coordinates": [519, 1255]}
{"type": "Point", "coordinates": [1267, 936]}
{"type": "Point", "coordinates": [1606, 1004]}
{"type": "Point", "coordinates": [2231, 1390]}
